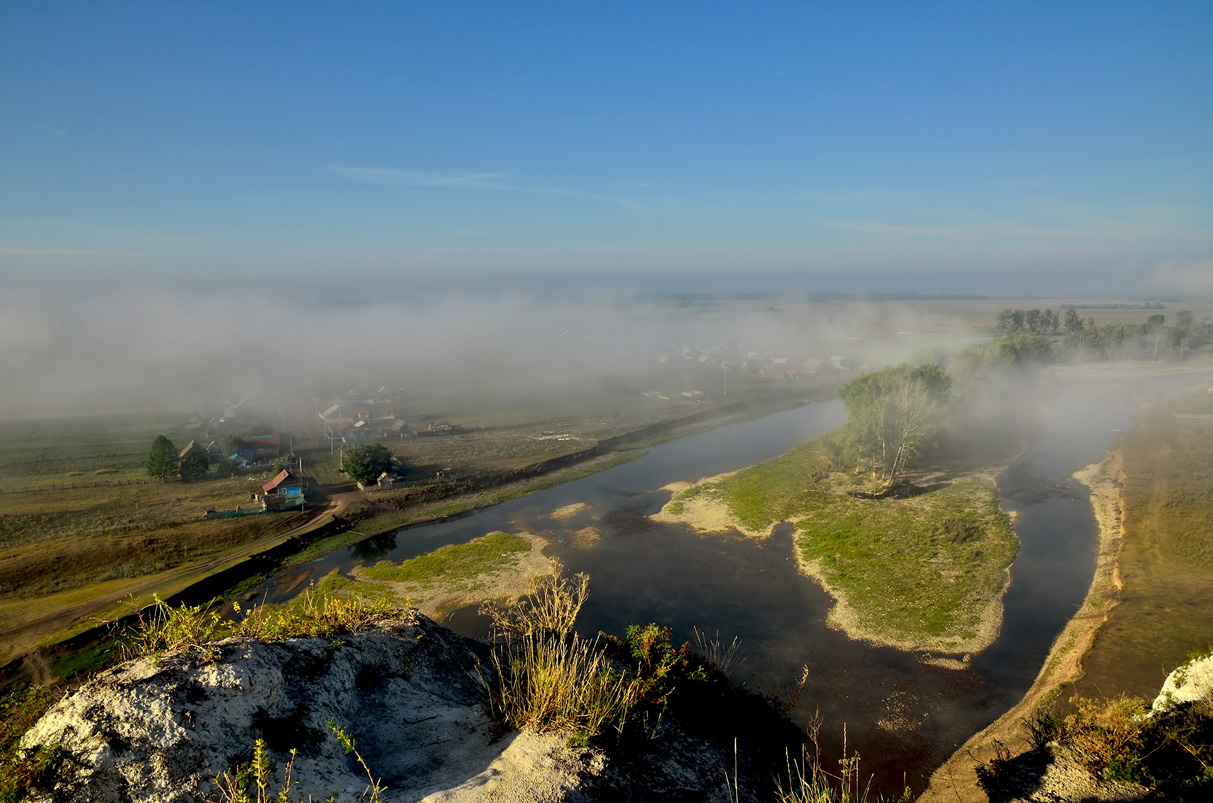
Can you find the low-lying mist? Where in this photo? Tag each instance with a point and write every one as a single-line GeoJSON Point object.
{"type": "Point", "coordinates": [142, 348]}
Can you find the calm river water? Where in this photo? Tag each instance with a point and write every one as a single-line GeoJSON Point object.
{"type": "Point", "coordinates": [903, 716]}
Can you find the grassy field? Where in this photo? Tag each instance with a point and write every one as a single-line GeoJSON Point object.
{"type": "Point", "coordinates": [81, 525]}
{"type": "Point", "coordinates": [1166, 560]}
{"type": "Point", "coordinates": [925, 571]}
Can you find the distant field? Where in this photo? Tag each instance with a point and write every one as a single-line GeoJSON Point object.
{"type": "Point", "coordinates": [1166, 562]}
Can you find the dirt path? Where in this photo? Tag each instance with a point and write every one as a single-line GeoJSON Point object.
{"type": "Point", "coordinates": [956, 780]}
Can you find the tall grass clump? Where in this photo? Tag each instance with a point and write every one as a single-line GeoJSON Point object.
{"type": "Point", "coordinates": [161, 628]}
{"type": "Point", "coordinates": [553, 682]}
{"type": "Point", "coordinates": [545, 676]}
{"type": "Point", "coordinates": [551, 606]}
{"type": "Point", "coordinates": [726, 658]}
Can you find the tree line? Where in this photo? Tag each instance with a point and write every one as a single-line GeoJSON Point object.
{"type": "Point", "coordinates": [1083, 339]}
{"type": "Point", "coordinates": [896, 413]}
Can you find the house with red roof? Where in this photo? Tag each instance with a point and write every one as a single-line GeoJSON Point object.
{"type": "Point", "coordinates": [283, 491]}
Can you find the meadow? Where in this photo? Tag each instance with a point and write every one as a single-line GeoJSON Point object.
{"type": "Point", "coordinates": [1166, 559]}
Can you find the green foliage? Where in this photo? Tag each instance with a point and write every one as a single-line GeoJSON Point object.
{"type": "Point", "coordinates": [1034, 321]}
{"type": "Point", "coordinates": [894, 414]}
{"type": "Point", "coordinates": [21, 770]}
{"type": "Point", "coordinates": [161, 462]}
{"type": "Point", "coordinates": [195, 464]}
{"type": "Point", "coordinates": [162, 628]}
{"type": "Point", "coordinates": [366, 461]}
{"type": "Point", "coordinates": [485, 555]}
{"type": "Point", "coordinates": [1120, 739]}
{"type": "Point", "coordinates": [375, 788]}
{"type": "Point", "coordinates": [658, 662]}
{"type": "Point", "coordinates": [250, 782]}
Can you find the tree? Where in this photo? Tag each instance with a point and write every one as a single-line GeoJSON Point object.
{"type": "Point", "coordinates": [195, 464]}
{"type": "Point", "coordinates": [1010, 321]}
{"type": "Point", "coordinates": [1024, 348]}
{"type": "Point", "coordinates": [894, 414]}
{"type": "Point", "coordinates": [366, 461]}
{"type": "Point", "coordinates": [162, 459]}
{"type": "Point", "coordinates": [1073, 321]}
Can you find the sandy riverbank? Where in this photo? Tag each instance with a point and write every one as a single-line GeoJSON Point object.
{"type": "Point", "coordinates": [569, 511]}
{"type": "Point", "coordinates": [956, 780]}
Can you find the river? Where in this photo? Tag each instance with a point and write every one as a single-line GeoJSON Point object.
{"type": "Point", "coordinates": [903, 716]}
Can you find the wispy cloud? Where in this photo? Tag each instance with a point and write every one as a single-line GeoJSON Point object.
{"type": "Point", "coordinates": [473, 181]}
{"type": "Point", "coordinates": [68, 252]}
{"type": "Point", "coordinates": [418, 178]}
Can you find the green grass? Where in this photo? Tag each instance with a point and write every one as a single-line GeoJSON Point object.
{"type": "Point", "coordinates": [776, 489]}
{"type": "Point", "coordinates": [928, 565]}
{"type": "Point", "coordinates": [922, 568]}
{"type": "Point", "coordinates": [1166, 559]}
{"type": "Point", "coordinates": [460, 562]}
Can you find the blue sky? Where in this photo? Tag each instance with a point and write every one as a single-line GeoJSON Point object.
{"type": "Point", "coordinates": [962, 147]}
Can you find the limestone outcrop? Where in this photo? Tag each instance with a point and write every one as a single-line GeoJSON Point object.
{"type": "Point", "coordinates": [408, 693]}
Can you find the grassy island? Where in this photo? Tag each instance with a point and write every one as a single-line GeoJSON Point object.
{"type": "Point", "coordinates": [495, 566]}
{"type": "Point", "coordinates": [924, 571]}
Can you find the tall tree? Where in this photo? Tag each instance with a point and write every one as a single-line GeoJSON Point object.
{"type": "Point", "coordinates": [366, 461]}
{"type": "Point", "coordinates": [161, 461]}
{"type": "Point", "coordinates": [195, 465]}
{"type": "Point", "coordinates": [1073, 321]}
{"type": "Point", "coordinates": [894, 414]}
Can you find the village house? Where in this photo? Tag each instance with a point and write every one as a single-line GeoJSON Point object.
{"type": "Point", "coordinates": [258, 448]}
{"type": "Point", "coordinates": [283, 492]}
